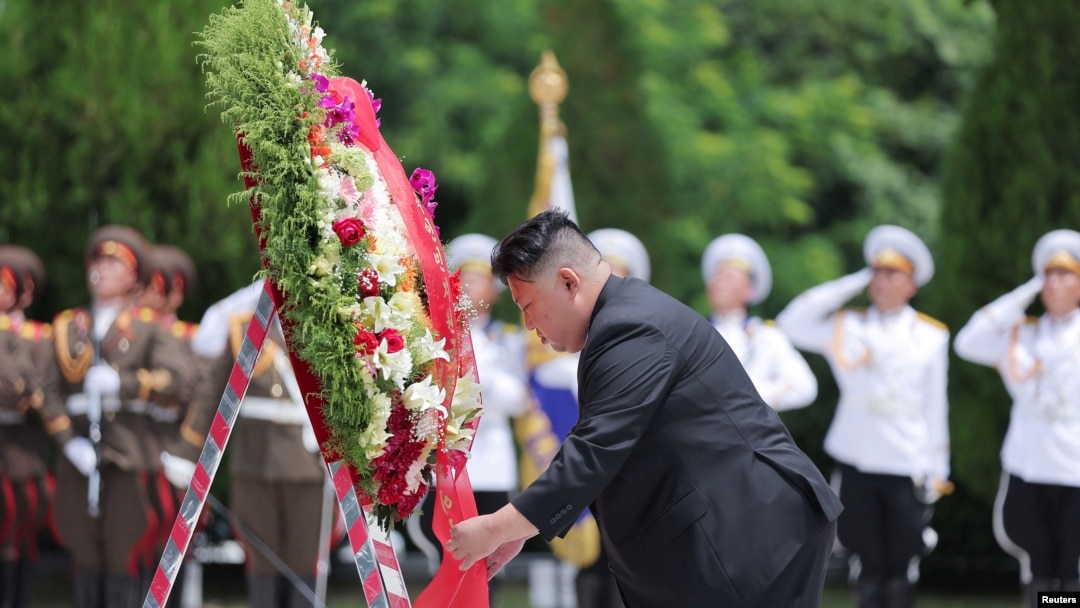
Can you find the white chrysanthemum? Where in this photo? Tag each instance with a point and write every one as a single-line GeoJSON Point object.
{"type": "Point", "coordinates": [329, 185]}
{"type": "Point", "coordinates": [395, 367]}
{"type": "Point", "coordinates": [426, 348]}
{"type": "Point", "coordinates": [423, 396]}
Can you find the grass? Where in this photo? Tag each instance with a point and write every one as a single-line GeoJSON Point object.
{"type": "Point", "coordinates": [224, 588]}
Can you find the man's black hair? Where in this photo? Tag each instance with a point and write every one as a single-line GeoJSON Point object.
{"type": "Point", "coordinates": [548, 239]}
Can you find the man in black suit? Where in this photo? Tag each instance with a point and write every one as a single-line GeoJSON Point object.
{"type": "Point", "coordinates": [702, 496]}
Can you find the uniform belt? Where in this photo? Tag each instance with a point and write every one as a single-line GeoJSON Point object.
{"type": "Point", "coordinates": [9, 418]}
{"type": "Point", "coordinates": [163, 414]}
{"type": "Point", "coordinates": [79, 403]}
{"type": "Point", "coordinates": [280, 411]}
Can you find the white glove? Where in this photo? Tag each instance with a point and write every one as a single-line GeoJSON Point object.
{"type": "Point", "coordinates": [859, 278]}
{"type": "Point", "coordinates": [311, 444]}
{"type": "Point", "coordinates": [103, 380]}
{"type": "Point", "coordinates": [930, 490]}
{"type": "Point", "coordinates": [1032, 288]}
{"type": "Point", "coordinates": [81, 453]}
{"type": "Point", "coordinates": [177, 470]}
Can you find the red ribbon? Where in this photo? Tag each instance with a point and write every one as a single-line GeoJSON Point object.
{"type": "Point", "coordinates": [451, 587]}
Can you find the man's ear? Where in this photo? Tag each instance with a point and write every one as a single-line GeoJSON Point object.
{"type": "Point", "coordinates": [569, 281]}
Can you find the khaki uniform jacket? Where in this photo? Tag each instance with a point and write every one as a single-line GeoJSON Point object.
{"type": "Point", "coordinates": [260, 449]}
{"type": "Point", "coordinates": [25, 444]}
{"type": "Point", "coordinates": [152, 366]}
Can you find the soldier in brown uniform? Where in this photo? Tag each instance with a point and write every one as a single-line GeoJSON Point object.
{"type": "Point", "coordinates": [24, 443]}
{"type": "Point", "coordinates": [172, 274]}
{"type": "Point", "coordinates": [22, 465]}
{"type": "Point", "coordinates": [277, 472]}
{"type": "Point", "coordinates": [116, 355]}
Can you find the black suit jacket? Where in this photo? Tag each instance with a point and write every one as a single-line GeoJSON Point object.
{"type": "Point", "coordinates": [701, 494]}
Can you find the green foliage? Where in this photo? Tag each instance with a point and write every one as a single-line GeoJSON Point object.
{"type": "Point", "coordinates": [104, 122]}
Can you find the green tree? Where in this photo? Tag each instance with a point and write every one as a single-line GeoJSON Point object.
{"type": "Point", "coordinates": [107, 125]}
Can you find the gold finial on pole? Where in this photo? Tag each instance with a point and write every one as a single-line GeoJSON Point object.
{"type": "Point", "coordinates": [548, 86]}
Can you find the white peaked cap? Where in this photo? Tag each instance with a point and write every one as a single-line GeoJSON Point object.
{"type": "Point", "coordinates": [472, 250]}
{"type": "Point", "coordinates": [744, 250]}
{"type": "Point", "coordinates": [621, 248]}
{"type": "Point", "coordinates": [1052, 245]}
{"type": "Point", "coordinates": [886, 238]}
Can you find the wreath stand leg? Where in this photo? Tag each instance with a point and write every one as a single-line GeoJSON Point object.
{"type": "Point", "coordinates": [210, 457]}
{"type": "Point", "coordinates": [384, 584]}
{"type": "Point", "coordinates": [376, 562]}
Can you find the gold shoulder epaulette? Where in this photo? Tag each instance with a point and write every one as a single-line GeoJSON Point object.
{"type": "Point", "coordinates": [5, 323]}
{"type": "Point", "coordinates": [932, 321]}
{"type": "Point", "coordinates": [769, 322]}
{"type": "Point", "coordinates": [35, 331]}
{"type": "Point", "coordinates": [184, 329]}
{"type": "Point", "coordinates": [146, 314]}
{"type": "Point", "coordinates": [64, 317]}
{"type": "Point", "coordinates": [1031, 320]}
{"type": "Point", "coordinates": [859, 310]}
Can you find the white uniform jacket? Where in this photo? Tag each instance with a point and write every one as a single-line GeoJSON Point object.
{"type": "Point", "coordinates": [1039, 360]}
{"type": "Point", "coordinates": [779, 373]}
{"type": "Point", "coordinates": [892, 373]}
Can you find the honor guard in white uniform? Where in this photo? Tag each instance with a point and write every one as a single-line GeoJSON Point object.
{"type": "Point", "coordinates": [1037, 511]}
{"type": "Point", "coordinates": [889, 435]}
{"type": "Point", "coordinates": [499, 350]}
{"type": "Point", "coordinates": [737, 275]}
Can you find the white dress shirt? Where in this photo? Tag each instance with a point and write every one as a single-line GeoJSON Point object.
{"type": "Point", "coordinates": [891, 371]}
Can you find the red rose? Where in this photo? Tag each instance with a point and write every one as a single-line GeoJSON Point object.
{"type": "Point", "coordinates": [368, 282]}
{"type": "Point", "coordinates": [350, 230]}
{"type": "Point", "coordinates": [394, 341]}
{"type": "Point", "coordinates": [365, 342]}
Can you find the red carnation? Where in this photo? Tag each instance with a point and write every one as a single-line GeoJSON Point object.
{"type": "Point", "coordinates": [350, 230]}
{"type": "Point", "coordinates": [368, 282]}
{"type": "Point", "coordinates": [365, 342]}
{"type": "Point", "coordinates": [394, 341]}
{"type": "Point", "coordinates": [455, 286]}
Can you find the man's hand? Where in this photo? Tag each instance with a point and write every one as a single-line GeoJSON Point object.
{"type": "Point", "coordinates": [472, 540]}
{"type": "Point", "coordinates": [499, 535]}
{"type": "Point", "coordinates": [502, 556]}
